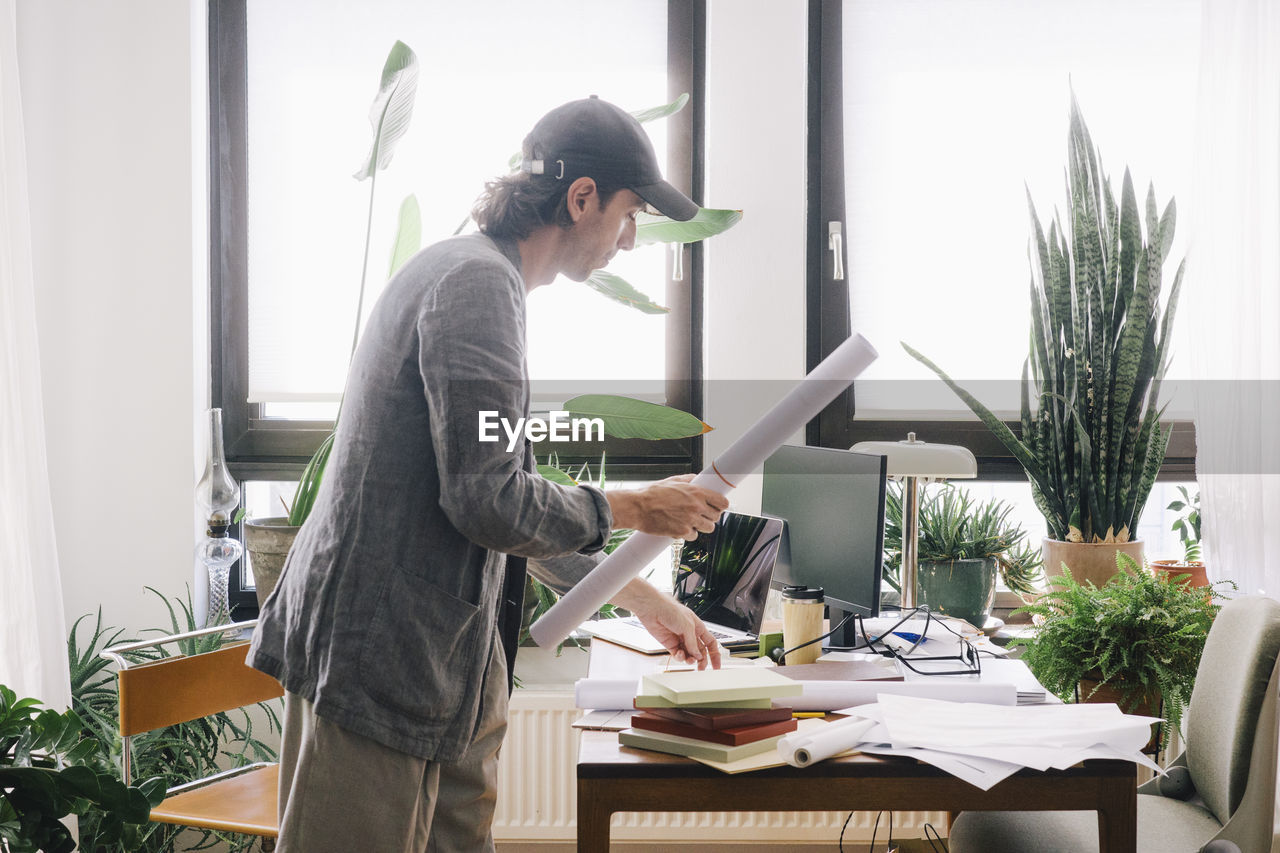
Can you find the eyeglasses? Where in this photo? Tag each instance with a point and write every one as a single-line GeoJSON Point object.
{"type": "Point", "coordinates": [966, 661]}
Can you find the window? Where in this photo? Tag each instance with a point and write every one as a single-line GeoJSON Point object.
{"type": "Point", "coordinates": [934, 119]}
{"type": "Point", "coordinates": [290, 86]}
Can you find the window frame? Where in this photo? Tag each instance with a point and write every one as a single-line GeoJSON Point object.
{"type": "Point", "coordinates": [259, 448]}
{"type": "Point", "coordinates": [828, 301]}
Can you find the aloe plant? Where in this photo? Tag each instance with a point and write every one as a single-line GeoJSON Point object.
{"type": "Point", "coordinates": [1099, 348]}
{"type": "Point", "coordinates": [953, 526]}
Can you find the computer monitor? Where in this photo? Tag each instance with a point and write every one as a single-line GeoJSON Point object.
{"type": "Point", "coordinates": [833, 503]}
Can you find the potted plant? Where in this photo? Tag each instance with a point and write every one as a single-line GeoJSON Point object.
{"type": "Point", "coordinates": [962, 545]}
{"type": "Point", "coordinates": [1092, 445]}
{"type": "Point", "coordinates": [1136, 640]}
{"type": "Point", "coordinates": [47, 773]}
{"type": "Point", "coordinates": [1187, 526]}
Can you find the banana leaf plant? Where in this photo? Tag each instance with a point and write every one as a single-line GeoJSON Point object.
{"type": "Point", "coordinates": [390, 113]}
{"type": "Point", "coordinates": [1092, 445]}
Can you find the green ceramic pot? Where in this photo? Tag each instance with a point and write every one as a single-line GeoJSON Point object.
{"type": "Point", "coordinates": [961, 588]}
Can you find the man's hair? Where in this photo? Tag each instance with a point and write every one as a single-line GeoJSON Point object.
{"type": "Point", "coordinates": [514, 206]}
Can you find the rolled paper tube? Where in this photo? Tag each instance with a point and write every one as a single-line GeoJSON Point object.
{"type": "Point", "coordinates": [834, 695]}
{"type": "Point", "coordinates": [610, 694]}
{"type": "Point", "coordinates": [831, 739]}
{"type": "Point", "coordinates": [753, 447]}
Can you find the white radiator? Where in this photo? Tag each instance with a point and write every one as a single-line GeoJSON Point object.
{"type": "Point", "coordinates": [537, 794]}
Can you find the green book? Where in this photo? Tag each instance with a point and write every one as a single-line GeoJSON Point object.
{"type": "Point", "coordinates": [717, 686]}
{"type": "Point", "coordinates": [693, 748]}
{"type": "Point", "coordinates": [654, 700]}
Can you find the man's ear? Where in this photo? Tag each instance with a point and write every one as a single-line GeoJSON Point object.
{"type": "Point", "coordinates": [582, 194]}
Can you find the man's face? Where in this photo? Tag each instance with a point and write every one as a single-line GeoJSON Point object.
{"type": "Point", "coordinates": [600, 232]}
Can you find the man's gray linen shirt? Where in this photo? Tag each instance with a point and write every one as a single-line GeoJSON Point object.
{"type": "Point", "coordinates": [387, 609]}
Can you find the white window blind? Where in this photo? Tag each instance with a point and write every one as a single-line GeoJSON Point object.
{"type": "Point", "coordinates": [488, 72]}
{"type": "Point", "coordinates": [953, 110]}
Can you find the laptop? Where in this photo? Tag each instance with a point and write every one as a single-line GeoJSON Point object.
{"type": "Point", "coordinates": [723, 577]}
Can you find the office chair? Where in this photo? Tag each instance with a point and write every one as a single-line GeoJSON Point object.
{"type": "Point", "coordinates": [166, 691]}
{"type": "Point", "coordinates": [1225, 791]}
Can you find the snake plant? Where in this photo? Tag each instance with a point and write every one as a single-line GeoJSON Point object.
{"type": "Point", "coordinates": [1099, 348]}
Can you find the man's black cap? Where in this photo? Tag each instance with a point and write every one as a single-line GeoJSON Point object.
{"type": "Point", "coordinates": [595, 139]}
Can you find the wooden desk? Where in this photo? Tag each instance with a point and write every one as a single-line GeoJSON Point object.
{"type": "Point", "coordinates": [613, 778]}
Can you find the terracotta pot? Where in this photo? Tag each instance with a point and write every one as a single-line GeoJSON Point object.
{"type": "Point", "coordinates": [1093, 561]}
{"type": "Point", "coordinates": [268, 541]}
{"type": "Point", "coordinates": [1173, 568]}
{"type": "Point", "coordinates": [1146, 706]}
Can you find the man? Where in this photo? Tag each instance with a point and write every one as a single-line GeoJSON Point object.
{"type": "Point", "coordinates": [393, 625]}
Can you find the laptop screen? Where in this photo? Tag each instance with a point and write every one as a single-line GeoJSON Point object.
{"type": "Point", "coordinates": [724, 575]}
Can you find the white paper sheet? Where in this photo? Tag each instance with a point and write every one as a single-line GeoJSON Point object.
{"type": "Point", "coordinates": [744, 456]}
{"type": "Point", "coordinates": [984, 744]}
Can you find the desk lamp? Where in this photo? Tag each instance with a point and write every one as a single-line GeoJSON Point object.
{"type": "Point", "coordinates": [915, 462]}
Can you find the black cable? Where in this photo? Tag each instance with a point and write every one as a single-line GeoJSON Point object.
{"type": "Point", "coordinates": [843, 826]}
{"type": "Point", "coordinates": [782, 656]}
{"type": "Point", "coordinates": [928, 827]}
{"type": "Point", "coordinates": [874, 828]}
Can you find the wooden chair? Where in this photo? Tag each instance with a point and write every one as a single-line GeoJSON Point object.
{"type": "Point", "coordinates": [167, 691]}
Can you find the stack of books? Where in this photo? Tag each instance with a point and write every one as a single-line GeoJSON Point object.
{"type": "Point", "coordinates": [716, 715]}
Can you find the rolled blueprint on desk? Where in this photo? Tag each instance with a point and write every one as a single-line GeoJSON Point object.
{"type": "Point", "coordinates": [810, 396]}
{"type": "Point", "coordinates": [802, 749]}
{"type": "Point", "coordinates": [835, 695]}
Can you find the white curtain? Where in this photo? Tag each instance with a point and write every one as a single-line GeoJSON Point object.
{"type": "Point", "coordinates": [1233, 293]}
{"type": "Point", "coordinates": [33, 656]}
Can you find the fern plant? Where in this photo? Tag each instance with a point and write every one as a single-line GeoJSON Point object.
{"type": "Point", "coordinates": [176, 754]}
{"type": "Point", "coordinates": [1099, 346]}
{"type": "Point", "coordinates": [1141, 634]}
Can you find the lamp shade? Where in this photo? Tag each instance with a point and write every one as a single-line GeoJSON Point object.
{"type": "Point", "coordinates": [920, 459]}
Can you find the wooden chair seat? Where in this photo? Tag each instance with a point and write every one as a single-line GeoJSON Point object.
{"type": "Point", "coordinates": [244, 803]}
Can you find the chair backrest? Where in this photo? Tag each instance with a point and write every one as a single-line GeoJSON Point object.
{"type": "Point", "coordinates": [1231, 684]}
{"type": "Point", "coordinates": [179, 689]}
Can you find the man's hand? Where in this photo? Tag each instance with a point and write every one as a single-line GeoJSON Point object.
{"type": "Point", "coordinates": [672, 507]}
{"type": "Point", "coordinates": [671, 623]}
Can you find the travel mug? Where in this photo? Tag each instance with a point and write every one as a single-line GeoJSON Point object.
{"type": "Point", "coordinates": [802, 608]}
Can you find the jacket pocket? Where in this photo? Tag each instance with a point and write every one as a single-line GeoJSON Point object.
{"type": "Point", "coordinates": [421, 650]}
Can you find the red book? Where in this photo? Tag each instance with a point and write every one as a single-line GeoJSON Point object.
{"type": "Point", "coordinates": [727, 718]}
{"type": "Point", "coordinates": [730, 737]}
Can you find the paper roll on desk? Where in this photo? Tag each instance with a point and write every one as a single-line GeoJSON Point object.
{"type": "Point", "coordinates": [620, 693]}
{"type": "Point", "coordinates": [749, 452]}
{"type": "Point", "coordinates": [834, 695]}
{"type": "Point", "coordinates": [802, 749]}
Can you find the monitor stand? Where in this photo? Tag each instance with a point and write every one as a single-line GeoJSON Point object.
{"type": "Point", "coordinates": [845, 638]}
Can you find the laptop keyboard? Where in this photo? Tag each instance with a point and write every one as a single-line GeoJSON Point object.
{"type": "Point", "coordinates": [719, 635]}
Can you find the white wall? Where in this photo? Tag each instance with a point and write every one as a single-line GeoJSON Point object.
{"type": "Point", "coordinates": [107, 95]}
{"type": "Point", "coordinates": [113, 96]}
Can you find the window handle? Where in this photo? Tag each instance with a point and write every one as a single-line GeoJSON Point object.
{"type": "Point", "coordinates": [677, 261]}
{"type": "Point", "coordinates": [835, 242]}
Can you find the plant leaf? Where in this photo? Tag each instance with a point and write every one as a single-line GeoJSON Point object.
{"type": "Point", "coordinates": [626, 417]}
{"type": "Point", "coordinates": [707, 222]}
{"type": "Point", "coordinates": [618, 289]}
{"type": "Point", "coordinates": [391, 109]}
{"type": "Point", "coordinates": [408, 234]}
{"type": "Point", "coordinates": [654, 113]}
